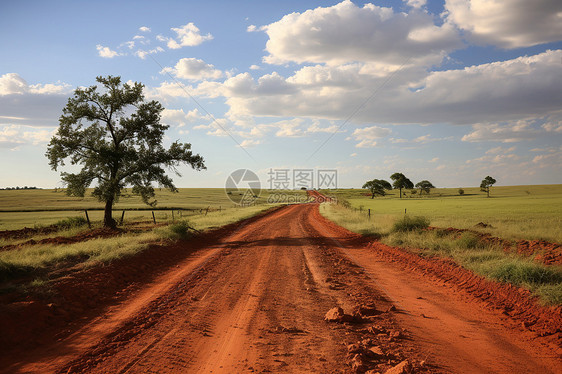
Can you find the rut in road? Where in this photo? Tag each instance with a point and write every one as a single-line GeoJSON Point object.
{"type": "Point", "coordinates": [256, 303]}
{"type": "Point", "coordinates": [259, 307]}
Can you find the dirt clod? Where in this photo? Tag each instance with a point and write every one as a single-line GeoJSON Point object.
{"type": "Point", "coordinates": [402, 368]}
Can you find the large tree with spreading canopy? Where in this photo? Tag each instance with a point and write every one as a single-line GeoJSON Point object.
{"type": "Point", "coordinates": [116, 137]}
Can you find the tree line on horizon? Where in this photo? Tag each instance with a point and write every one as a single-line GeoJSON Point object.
{"type": "Point", "coordinates": [378, 187]}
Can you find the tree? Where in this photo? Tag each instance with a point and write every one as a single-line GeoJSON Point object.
{"type": "Point", "coordinates": [424, 186]}
{"type": "Point", "coordinates": [400, 182]}
{"type": "Point", "coordinates": [486, 184]}
{"type": "Point", "coordinates": [116, 137]}
{"type": "Point", "coordinates": [377, 187]}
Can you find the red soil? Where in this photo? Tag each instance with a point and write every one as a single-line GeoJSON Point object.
{"type": "Point", "coordinates": [540, 250]}
{"type": "Point", "coordinates": [253, 297]}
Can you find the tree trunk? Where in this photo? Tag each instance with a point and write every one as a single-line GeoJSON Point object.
{"type": "Point", "coordinates": [108, 220]}
{"type": "Point", "coordinates": [488, 191]}
{"type": "Point", "coordinates": [400, 193]}
{"type": "Point", "coordinates": [372, 195]}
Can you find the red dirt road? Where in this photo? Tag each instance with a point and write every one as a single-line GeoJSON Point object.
{"type": "Point", "coordinates": [255, 302]}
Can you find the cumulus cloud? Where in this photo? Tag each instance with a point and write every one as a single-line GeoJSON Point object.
{"type": "Point", "coordinates": [368, 136]}
{"type": "Point", "coordinates": [521, 88]}
{"type": "Point", "coordinates": [187, 36]}
{"type": "Point", "coordinates": [193, 69]}
{"type": "Point", "coordinates": [346, 33]}
{"type": "Point", "coordinates": [31, 104]}
{"type": "Point", "coordinates": [144, 29]}
{"type": "Point", "coordinates": [15, 136]}
{"type": "Point", "coordinates": [106, 52]}
{"type": "Point", "coordinates": [416, 3]}
{"type": "Point", "coordinates": [247, 143]}
{"type": "Point", "coordinates": [178, 118]}
{"type": "Point", "coordinates": [141, 53]}
{"type": "Point", "coordinates": [507, 23]}
{"type": "Point", "coordinates": [505, 133]}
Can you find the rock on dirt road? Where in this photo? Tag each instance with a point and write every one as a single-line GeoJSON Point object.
{"type": "Point", "coordinates": [256, 301]}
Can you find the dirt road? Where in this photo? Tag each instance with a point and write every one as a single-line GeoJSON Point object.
{"type": "Point", "coordinates": [256, 301]}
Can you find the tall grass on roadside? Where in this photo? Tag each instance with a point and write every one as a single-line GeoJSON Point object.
{"type": "Point", "coordinates": [29, 258]}
{"type": "Point", "coordinates": [467, 249]}
{"type": "Point", "coordinates": [22, 261]}
{"type": "Point", "coordinates": [408, 223]}
{"type": "Point", "coordinates": [487, 259]}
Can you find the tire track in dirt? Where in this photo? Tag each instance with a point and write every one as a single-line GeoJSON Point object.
{"type": "Point", "coordinates": [435, 297]}
{"type": "Point", "coordinates": [255, 302]}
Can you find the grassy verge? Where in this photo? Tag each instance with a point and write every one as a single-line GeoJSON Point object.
{"type": "Point", "coordinates": [514, 212]}
{"type": "Point", "coordinates": [468, 250]}
{"type": "Point", "coordinates": [30, 258]}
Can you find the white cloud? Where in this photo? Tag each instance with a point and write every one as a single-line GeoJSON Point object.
{"type": "Point", "coordinates": [33, 105]}
{"type": "Point", "coordinates": [522, 88]}
{"type": "Point", "coordinates": [353, 155]}
{"type": "Point", "coordinates": [255, 67]}
{"type": "Point", "coordinates": [187, 36]}
{"type": "Point", "coordinates": [136, 37]}
{"type": "Point", "coordinates": [177, 117]}
{"type": "Point", "coordinates": [507, 23]}
{"type": "Point", "coordinates": [246, 143]}
{"type": "Point", "coordinates": [144, 29]}
{"type": "Point", "coordinates": [416, 3]}
{"type": "Point", "coordinates": [505, 133]}
{"type": "Point", "coordinates": [368, 136]}
{"type": "Point", "coordinates": [141, 53]}
{"type": "Point", "coordinates": [106, 52]}
{"type": "Point", "coordinates": [346, 33]}
{"type": "Point", "coordinates": [435, 159]}
{"type": "Point", "coordinates": [130, 44]}
{"type": "Point", "coordinates": [14, 136]}
{"type": "Point", "coordinates": [251, 28]}
{"type": "Point", "coordinates": [193, 69]}
{"type": "Point", "coordinates": [500, 150]}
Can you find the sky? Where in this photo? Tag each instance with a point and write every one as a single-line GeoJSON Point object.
{"type": "Point", "coordinates": [448, 91]}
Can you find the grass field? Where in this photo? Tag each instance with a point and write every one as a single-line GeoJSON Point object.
{"type": "Point", "coordinates": [529, 212]}
{"type": "Point", "coordinates": [32, 208]}
{"type": "Point", "coordinates": [515, 212]}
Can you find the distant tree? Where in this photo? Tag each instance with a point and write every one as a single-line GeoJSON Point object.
{"type": "Point", "coordinates": [424, 186]}
{"type": "Point", "coordinates": [400, 182]}
{"type": "Point", "coordinates": [117, 138]}
{"type": "Point", "coordinates": [461, 191]}
{"type": "Point", "coordinates": [377, 187]}
{"type": "Point", "coordinates": [486, 184]}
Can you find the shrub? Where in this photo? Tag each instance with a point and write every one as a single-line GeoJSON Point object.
{"type": "Point", "coordinates": [461, 191]}
{"type": "Point", "coordinates": [71, 222]}
{"type": "Point", "coordinates": [410, 224]}
{"type": "Point", "coordinates": [468, 240]}
{"type": "Point", "coordinates": [177, 231]}
{"type": "Point", "coordinates": [521, 273]}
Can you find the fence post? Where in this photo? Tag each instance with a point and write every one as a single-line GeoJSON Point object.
{"type": "Point", "coordinates": [153, 217]}
{"type": "Point", "coordinates": [88, 219]}
{"type": "Point", "coordinates": [122, 217]}
{"type": "Point", "coordinates": [369, 214]}
{"type": "Point", "coordinates": [404, 210]}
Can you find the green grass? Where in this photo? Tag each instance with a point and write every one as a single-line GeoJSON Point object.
{"type": "Point", "coordinates": [515, 212]}
{"type": "Point", "coordinates": [467, 249]}
{"type": "Point", "coordinates": [36, 208]}
{"type": "Point", "coordinates": [29, 258]}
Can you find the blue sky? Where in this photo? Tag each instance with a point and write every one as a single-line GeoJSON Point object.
{"type": "Point", "coordinates": [449, 91]}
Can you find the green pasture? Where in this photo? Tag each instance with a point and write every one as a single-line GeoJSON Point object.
{"type": "Point", "coordinates": [32, 208]}
{"type": "Point", "coordinates": [514, 212]}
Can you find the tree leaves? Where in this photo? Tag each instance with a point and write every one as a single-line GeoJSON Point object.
{"type": "Point", "coordinates": [117, 138]}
